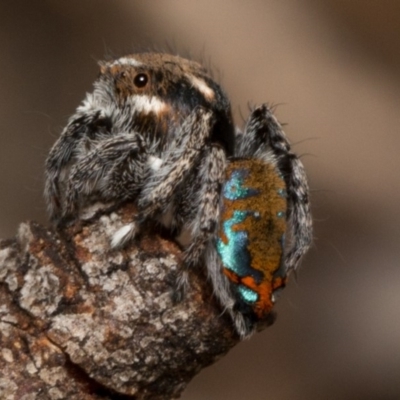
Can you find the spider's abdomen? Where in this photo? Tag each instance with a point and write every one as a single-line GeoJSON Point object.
{"type": "Point", "coordinates": [251, 235]}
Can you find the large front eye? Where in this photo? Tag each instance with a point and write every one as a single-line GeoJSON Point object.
{"type": "Point", "coordinates": [140, 80]}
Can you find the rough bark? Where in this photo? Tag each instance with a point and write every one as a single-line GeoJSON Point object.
{"type": "Point", "coordinates": [79, 320]}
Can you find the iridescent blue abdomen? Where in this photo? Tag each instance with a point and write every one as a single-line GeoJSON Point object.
{"type": "Point", "coordinates": [251, 235]}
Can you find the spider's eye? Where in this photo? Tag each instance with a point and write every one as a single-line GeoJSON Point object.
{"type": "Point", "coordinates": [140, 80]}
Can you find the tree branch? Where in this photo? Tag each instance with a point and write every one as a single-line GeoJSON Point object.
{"type": "Point", "coordinates": [79, 320]}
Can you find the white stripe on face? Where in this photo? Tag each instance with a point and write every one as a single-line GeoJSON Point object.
{"type": "Point", "coordinates": [147, 104]}
{"type": "Point", "coordinates": [201, 86]}
{"type": "Point", "coordinates": [126, 61]}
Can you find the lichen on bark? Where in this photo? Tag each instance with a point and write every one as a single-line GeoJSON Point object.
{"type": "Point", "coordinates": [79, 320]}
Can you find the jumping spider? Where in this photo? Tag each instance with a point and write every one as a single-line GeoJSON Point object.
{"type": "Point", "coordinates": [158, 130]}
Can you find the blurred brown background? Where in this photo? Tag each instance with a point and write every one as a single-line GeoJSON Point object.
{"type": "Point", "coordinates": [333, 66]}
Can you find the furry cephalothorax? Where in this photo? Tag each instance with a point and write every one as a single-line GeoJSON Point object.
{"type": "Point", "coordinates": [158, 130]}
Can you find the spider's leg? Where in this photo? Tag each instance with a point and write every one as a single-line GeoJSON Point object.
{"type": "Point", "coordinates": [115, 170]}
{"type": "Point", "coordinates": [211, 174]}
{"type": "Point", "coordinates": [205, 224]}
{"type": "Point", "coordinates": [264, 139]}
{"type": "Point", "coordinates": [254, 142]}
{"type": "Point", "coordinates": [56, 164]}
{"type": "Point", "coordinates": [165, 176]}
{"type": "Point", "coordinates": [64, 151]}
{"type": "Point", "coordinates": [183, 210]}
{"type": "Point", "coordinates": [178, 164]}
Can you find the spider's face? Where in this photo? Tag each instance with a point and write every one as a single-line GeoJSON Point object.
{"type": "Point", "coordinates": [156, 92]}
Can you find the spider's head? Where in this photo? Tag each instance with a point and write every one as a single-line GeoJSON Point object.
{"type": "Point", "coordinates": [155, 92]}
